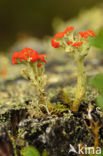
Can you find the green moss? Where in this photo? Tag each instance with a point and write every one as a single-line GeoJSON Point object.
{"type": "Point", "coordinates": [64, 97]}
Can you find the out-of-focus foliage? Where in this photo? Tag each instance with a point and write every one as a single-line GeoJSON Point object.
{"type": "Point", "coordinates": [99, 101]}
{"type": "Point", "coordinates": [32, 151]}
{"type": "Point", "coordinates": [97, 82]}
{"type": "Point", "coordinates": [98, 154]}
{"type": "Point", "coordinates": [98, 40]}
{"type": "Point", "coordinates": [45, 153]}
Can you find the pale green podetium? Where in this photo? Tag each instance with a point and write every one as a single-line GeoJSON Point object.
{"type": "Point", "coordinates": [37, 77]}
{"type": "Point", "coordinates": [79, 57]}
{"type": "Point", "coordinates": [78, 47]}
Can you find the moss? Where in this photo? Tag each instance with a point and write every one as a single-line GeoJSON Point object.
{"type": "Point", "coordinates": [64, 97]}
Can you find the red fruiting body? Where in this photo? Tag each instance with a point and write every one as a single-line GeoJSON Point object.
{"type": "Point", "coordinates": [39, 64]}
{"type": "Point", "coordinates": [77, 44]}
{"type": "Point", "coordinates": [15, 55]}
{"type": "Point", "coordinates": [68, 29]}
{"type": "Point", "coordinates": [84, 35]}
{"type": "Point", "coordinates": [76, 36]}
{"type": "Point", "coordinates": [69, 42]}
{"type": "Point", "coordinates": [57, 36]}
{"type": "Point", "coordinates": [56, 44]}
{"type": "Point", "coordinates": [34, 56]}
{"type": "Point", "coordinates": [87, 33]}
{"type": "Point", "coordinates": [91, 33]}
{"type": "Point", "coordinates": [14, 62]}
{"type": "Point", "coordinates": [42, 57]}
{"type": "Point", "coordinates": [81, 34]}
{"type": "Point", "coordinates": [27, 54]}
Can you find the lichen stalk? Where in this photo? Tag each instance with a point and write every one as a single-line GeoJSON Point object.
{"type": "Point", "coordinates": [39, 80]}
{"type": "Point", "coordinates": [81, 85]}
{"type": "Point", "coordinates": [42, 97]}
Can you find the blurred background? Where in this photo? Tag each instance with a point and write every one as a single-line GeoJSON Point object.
{"type": "Point", "coordinates": [21, 19]}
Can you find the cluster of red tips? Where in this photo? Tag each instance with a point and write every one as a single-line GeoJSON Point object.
{"type": "Point", "coordinates": [39, 64]}
{"type": "Point", "coordinates": [87, 34]}
{"type": "Point", "coordinates": [28, 54]}
{"type": "Point", "coordinates": [76, 36]}
{"type": "Point", "coordinates": [69, 42]}
{"type": "Point", "coordinates": [56, 44]}
{"type": "Point", "coordinates": [76, 44]}
{"type": "Point", "coordinates": [68, 29]}
{"type": "Point", "coordinates": [59, 35]}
